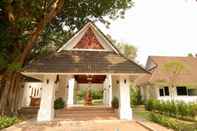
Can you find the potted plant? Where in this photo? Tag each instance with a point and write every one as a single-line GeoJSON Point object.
{"type": "Point", "coordinates": [115, 103]}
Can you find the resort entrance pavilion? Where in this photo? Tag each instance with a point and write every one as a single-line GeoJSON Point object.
{"type": "Point", "coordinates": [88, 60]}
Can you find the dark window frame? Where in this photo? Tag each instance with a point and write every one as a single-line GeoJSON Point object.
{"type": "Point", "coordinates": [182, 91]}
{"type": "Point", "coordinates": [164, 91]}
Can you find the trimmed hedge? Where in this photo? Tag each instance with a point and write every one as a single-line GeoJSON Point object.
{"type": "Point", "coordinates": [172, 123]}
{"type": "Point", "coordinates": [173, 108]}
{"type": "Point", "coordinates": [7, 121]}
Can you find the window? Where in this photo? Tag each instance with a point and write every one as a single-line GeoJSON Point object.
{"type": "Point", "coordinates": [164, 91]}
{"type": "Point", "coordinates": [192, 92]}
{"type": "Point", "coordinates": [181, 91]}
{"type": "Point", "coordinates": [161, 93]}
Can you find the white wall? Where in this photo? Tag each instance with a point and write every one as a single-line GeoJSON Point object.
{"type": "Point", "coordinates": [29, 90]}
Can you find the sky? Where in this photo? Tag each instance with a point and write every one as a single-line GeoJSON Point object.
{"type": "Point", "coordinates": [158, 27]}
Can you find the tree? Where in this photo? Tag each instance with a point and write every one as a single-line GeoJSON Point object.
{"type": "Point", "coordinates": [127, 50]}
{"type": "Point", "coordinates": [30, 28]}
{"type": "Point", "coordinates": [173, 70]}
{"type": "Point", "coordinates": [190, 55]}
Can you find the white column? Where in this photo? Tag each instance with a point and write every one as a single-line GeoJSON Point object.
{"type": "Point", "coordinates": [109, 87]}
{"type": "Point", "coordinates": [46, 111]}
{"type": "Point", "coordinates": [125, 112]}
{"type": "Point", "coordinates": [104, 92]}
{"type": "Point", "coordinates": [71, 85]}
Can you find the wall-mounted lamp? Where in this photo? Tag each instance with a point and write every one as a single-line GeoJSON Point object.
{"type": "Point", "coordinates": [117, 81]}
{"type": "Point", "coordinates": [47, 81]}
{"type": "Point", "coordinates": [125, 81]}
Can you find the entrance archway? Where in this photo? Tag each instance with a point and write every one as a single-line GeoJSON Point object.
{"type": "Point", "coordinates": [89, 89]}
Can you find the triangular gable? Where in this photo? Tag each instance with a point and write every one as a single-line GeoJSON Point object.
{"type": "Point", "coordinates": [88, 41]}
{"type": "Point", "coordinates": [89, 38]}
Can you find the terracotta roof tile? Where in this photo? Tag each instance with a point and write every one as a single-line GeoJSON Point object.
{"type": "Point", "coordinates": [188, 75]}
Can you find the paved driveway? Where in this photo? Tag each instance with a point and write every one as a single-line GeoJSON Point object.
{"type": "Point", "coordinates": [114, 125]}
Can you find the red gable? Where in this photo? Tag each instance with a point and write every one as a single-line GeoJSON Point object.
{"type": "Point", "coordinates": [89, 41]}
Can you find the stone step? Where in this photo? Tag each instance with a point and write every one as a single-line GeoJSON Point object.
{"type": "Point", "coordinates": [88, 108]}
{"type": "Point", "coordinates": [86, 114]}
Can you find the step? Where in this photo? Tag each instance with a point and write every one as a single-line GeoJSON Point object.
{"type": "Point", "coordinates": [85, 115]}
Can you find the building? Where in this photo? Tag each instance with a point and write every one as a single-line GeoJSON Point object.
{"type": "Point", "coordinates": [87, 58]}
{"type": "Point", "coordinates": [156, 84]}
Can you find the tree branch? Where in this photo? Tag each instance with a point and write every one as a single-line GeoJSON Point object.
{"type": "Point", "coordinates": [55, 9]}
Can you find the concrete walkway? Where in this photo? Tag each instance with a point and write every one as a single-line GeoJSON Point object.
{"type": "Point", "coordinates": [104, 125]}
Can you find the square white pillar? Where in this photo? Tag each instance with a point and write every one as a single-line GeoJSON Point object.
{"type": "Point", "coordinates": [125, 111]}
{"type": "Point", "coordinates": [71, 85]}
{"type": "Point", "coordinates": [46, 111]}
{"type": "Point", "coordinates": [107, 94]}
{"type": "Point", "coordinates": [109, 87]}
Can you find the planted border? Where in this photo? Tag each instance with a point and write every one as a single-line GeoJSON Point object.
{"type": "Point", "coordinates": [176, 109]}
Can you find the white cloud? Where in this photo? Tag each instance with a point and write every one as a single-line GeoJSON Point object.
{"type": "Point", "coordinates": [158, 27]}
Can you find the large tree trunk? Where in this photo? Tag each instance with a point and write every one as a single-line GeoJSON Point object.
{"type": "Point", "coordinates": [9, 93]}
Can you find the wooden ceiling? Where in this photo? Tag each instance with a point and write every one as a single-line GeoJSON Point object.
{"type": "Point", "coordinates": [90, 78]}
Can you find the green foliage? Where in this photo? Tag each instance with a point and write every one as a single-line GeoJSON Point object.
{"type": "Point", "coordinates": [115, 103]}
{"type": "Point", "coordinates": [7, 121]}
{"type": "Point", "coordinates": [97, 94]}
{"type": "Point", "coordinates": [14, 66]}
{"type": "Point", "coordinates": [135, 97]}
{"type": "Point", "coordinates": [172, 123]}
{"type": "Point", "coordinates": [173, 70]}
{"type": "Point", "coordinates": [15, 33]}
{"type": "Point", "coordinates": [172, 108]}
{"type": "Point", "coordinates": [190, 54]}
{"type": "Point", "coordinates": [149, 105]}
{"type": "Point", "coordinates": [59, 103]}
{"type": "Point", "coordinates": [128, 50]}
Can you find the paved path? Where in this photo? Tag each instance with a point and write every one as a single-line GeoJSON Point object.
{"type": "Point", "coordinates": [78, 126]}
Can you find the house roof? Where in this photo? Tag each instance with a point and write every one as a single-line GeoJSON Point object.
{"type": "Point", "coordinates": [155, 65]}
{"type": "Point", "coordinates": [88, 51]}
{"type": "Point", "coordinates": [84, 62]}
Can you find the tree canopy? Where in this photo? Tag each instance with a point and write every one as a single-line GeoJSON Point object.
{"type": "Point", "coordinates": [20, 18]}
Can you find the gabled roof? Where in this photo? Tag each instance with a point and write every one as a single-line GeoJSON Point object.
{"type": "Point", "coordinates": [155, 65]}
{"type": "Point", "coordinates": [97, 55]}
{"type": "Point", "coordinates": [84, 62]}
{"type": "Point", "coordinates": [101, 38]}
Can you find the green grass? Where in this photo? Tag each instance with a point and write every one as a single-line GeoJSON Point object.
{"type": "Point", "coordinates": [141, 114]}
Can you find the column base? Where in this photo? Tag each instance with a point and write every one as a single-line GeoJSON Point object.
{"type": "Point", "coordinates": [125, 114]}
{"type": "Point", "coordinates": [45, 115]}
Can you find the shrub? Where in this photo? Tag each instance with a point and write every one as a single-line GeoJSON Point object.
{"type": "Point", "coordinates": [115, 103]}
{"type": "Point", "coordinates": [7, 121]}
{"type": "Point", "coordinates": [149, 105]}
{"type": "Point", "coordinates": [59, 103]}
{"type": "Point", "coordinates": [172, 123]}
{"type": "Point", "coordinates": [135, 97]}
{"type": "Point", "coordinates": [97, 94]}
{"type": "Point", "coordinates": [172, 108]}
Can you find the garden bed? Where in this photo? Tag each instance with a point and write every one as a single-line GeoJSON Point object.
{"type": "Point", "coordinates": [8, 121]}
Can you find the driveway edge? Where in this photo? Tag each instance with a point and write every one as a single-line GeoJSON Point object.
{"type": "Point", "coordinates": [145, 126]}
